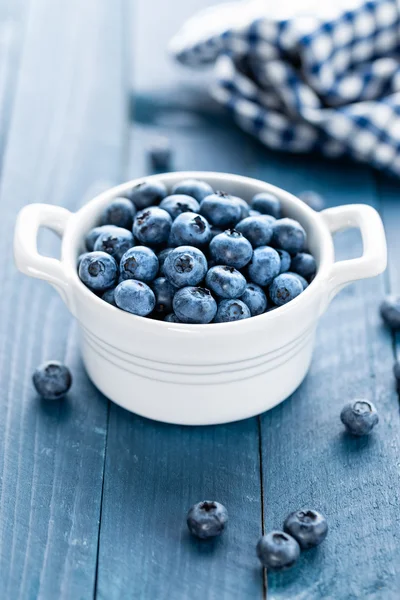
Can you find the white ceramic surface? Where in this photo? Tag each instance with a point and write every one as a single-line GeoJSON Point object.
{"type": "Point", "coordinates": [199, 374]}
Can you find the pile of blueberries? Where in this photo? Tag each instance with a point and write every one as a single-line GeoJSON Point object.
{"type": "Point", "coordinates": [195, 255]}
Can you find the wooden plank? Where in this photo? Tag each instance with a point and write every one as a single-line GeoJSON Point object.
{"type": "Point", "coordinates": [67, 133]}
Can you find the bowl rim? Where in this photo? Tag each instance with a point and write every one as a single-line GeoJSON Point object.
{"type": "Point", "coordinates": [69, 245]}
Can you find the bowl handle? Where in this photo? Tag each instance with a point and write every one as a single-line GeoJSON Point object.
{"type": "Point", "coordinates": [26, 255]}
{"type": "Point", "coordinates": [374, 258]}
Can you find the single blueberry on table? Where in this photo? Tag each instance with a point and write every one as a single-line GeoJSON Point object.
{"type": "Point", "coordinates": [313, 199]}
{"type": "Point", "coordinates": [185, 266]}
{"type": "Point", "coordinates": [115, 243]}
{"type": "Point", "coordinates": [177, 204]}
{"type": "Point", "coordinates": [172, 318]}
{"type": "Point", "coordinates": [285, 260]}
{"type": "Point", "coordinates": [278, 550]}
{"type": "Point", "coordinates": [285, 288]}
{"type": "Point", "coordinates": [267, 204]}
{"type": "Point", "coordinates": [207, 519]}
{"type": "Point", "coordinates": [303, 281]}
{"type": "Point", "coordinates": [225, 282]}
{"type": "Point", "coordinates": [108, 297]}
{"type": "Point", "coordinates": [359, 417]}
{"type": "Point", "coordinates": [152, 226]}
{"type": "Point", "coordinates": [164, 293]}
{"type": "Point", "coordinates": [52, 380]}
{"type": "Point", "coordinates": [232, 310]}
{"type": "Point", "coordinates": [94, 233]}
{"type": "Point", "coordinates": [194, 305]}
{"type": "Point", "coordinates": [98, 270]}
{"type": "Point", "coordinates": [161, 258]}
{"type": "Point", "coordinates": [390, 311]}
{"type": "Point", "coordinates": [160, 154]}
{"type": "Point", "coordinates": [255, 298]}
{"type": "Point", "coordinates": [139, 263]}
{"type": "Point", "coordinates": [119, 212]}
{"type": "Point", "coordinates": [304, 264]}
{"type": "Point", "coordinates": [288, 235]}
{"type": "Point", "coordinates": [221, 210]}
{"type": "Point", "coordinates": [147, 193]}
{"type": "Point", "coordinates": [135, 297]}
{"type": "Point", "coordinates": [193, 187]}
{"type": "Point", "coordinates": [231, 248]}
{"type": "Point", "coordinates": [308, 527]}
{"type": "Point", "coordinates": [264, 265]}
{"type": "Point", "coordinates": [190, 229]}
{"type": "Point", "coordinates": [257, 230]}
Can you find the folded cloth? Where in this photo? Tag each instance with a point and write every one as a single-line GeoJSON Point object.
{"type": "Point", "coordinates": [306, 83]}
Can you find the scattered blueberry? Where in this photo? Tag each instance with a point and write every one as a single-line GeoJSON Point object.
{"type": "Point", "coordinates": [147, 193]}
{"type": "Point", "coordinates": [98, 271]}
{"type": "Point", "coordinates": [115, 243]}
{"type": "Point", "coordinates": [161, 258]}
{"type": "Point", "coordinates": [257, 230]}
{"type": "Point", "coordinates": [231, 248]}
{"type": "Point", "coordinates": [313, 199]}
{"type": "Point", "coordinates": [390, 311]}
{"type": "Point", "coordinates": [303, 281]}
{"type": "Point", "coordinates": [221, 210]}
{"type": "Point", "coordinates": [308, 527]}
{"type": "Point", "coordinates": [172, 318]}
{"type": "Point", "coordinates": [139, 263]}
{"type": "Point", "coordinates": [119, 212]}
{"type": "Point", "coordinates": [164, 293]}
{"type": "Point", "coordinates": [190, 229]}
{"type": "Point", "coordinates": [359, 417]}
{"type": "Point", "coordinates": [264, 265]}
{"type": "Point", "coordinates": [152, 226]}
{"type": "Point", "coordinates": [278, 550]}
{"type": "Point", "coordinates": [52, 380]}
{"type": "Point", "coordinates": [225, 282]}
{"type": "Point", "coordinates": [108, 296]}
{"type": "Point", "coordinates": [177, 204]}
{"type": "Point", "coordinates": [94, 233]}
{"type": "Point", "coordinates": [288, 235]}
{"type": "Point", "coordinates": [207, 519]}
{"type": "Point", "coordinates": [284, 288]}
{"type": "Point", "coordinates": [232, 310]}
{"type": "Point", "coordinates": [135, 297]}
{"type": "Point", "coordinates": [267, 204]}
{"type": "Point", "coordinates": [160, 154]}
{"type": "Point", "coordinates": [193, 187]}
{"type": "Point", "coordinates": [285, 260]}
{"type": "Point", "coordinates": [185, 266]}
{"type": "Point", "coordinates": [304, 264]}
{"type": "Point", "coordinates": [194, 305]}
{"type": "Point", "coordinates": [255, 298]}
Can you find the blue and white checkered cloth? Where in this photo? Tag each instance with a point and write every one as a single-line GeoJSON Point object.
{"type": "Point", "coordinates": [306, 84]}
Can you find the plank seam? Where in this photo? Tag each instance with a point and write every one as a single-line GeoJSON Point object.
{"type": "Point", "coordinates": [260, 463]}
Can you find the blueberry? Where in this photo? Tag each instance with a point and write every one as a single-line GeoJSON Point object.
{"type": "Point", "coordinates": [177, 204]}
{"type": "Point", "coordinates": [313, 199]}
{"type": "Point", "coordinates": [160, 154]}
{"type": "Point", "coordinates": [80, 258]}
{"type": "Point", "coordinates": [231, 248]}
{"type": "Point", "coordinates": [390, 311]}
{"type": "Point", "coordinates": [254, 213]}
{"type": "Point", "coordinates": [257, 230]}
{"type": "Point", "coordinates": [304, 264]}
{"type": "Point", "coordinates": [225, 282]}
{"type": "Point", "coordinates": [161, 258]}
{"type": "Point", "coordinates": [194, 305]}
{"type": "Point", "coordinates": [115, 243]}
{"type": "Point", "coordinates": [152, 226]}
{"type": "Point", "coordinates": [139, 263]}
{"type": "Point", "coordinates": [244, 208]}
{"type": "Point", "coordinates": [232, 310]}
{"type": "Point", "coordinates": [98, 271]}
{"type": "Point", "coordinates": [267, 204]}
{"type": "Point", "coordinates": [164, 293]}
{"type": "Point", "coordinates": [303, 281]}
{"type": "Point", "coordinates": [119, 212]}
{"type": "Point", "coordinates": [285, 260]}
{"type": "Point", "coordinates": [264, 266]}
{"type": "Point", "coordinates": [308, 527]}
{"type": "Point", "coordinates": [221, 210]}
{"type": "Point", "coordinates": [193, 187]}
{"type": "Point", "coordinates": [185, 266]}
{"type": "Point", "coordinates": [190, 229]}
{"type": "Point", "coordinates": [255, 298]}
{"type": "Point", "coordinates": [207, 519]}
{"type": "Point", "coordinates": [108, 297]}
{"type": "Point", "coordinates": [135, 297]}
{"type": "Point", "coordinates": [172, 318]}
{"type": "Point", "coordinates": [288, 235]}
{"type": "Point", "coordinates": [94, 233]}
{"type": "Point", "coordinates": [147, 193]}
{"type": "Point", "coordinates": [359, 417]}
{"type": "Point", "coordinates": [52, 380]}
{"type": "Point", "coordinates": [278, 550]}
{"type": "Point", "coordinates": [285, 288]}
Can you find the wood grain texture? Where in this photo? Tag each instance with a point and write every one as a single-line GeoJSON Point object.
{"type": "Point", "coordinates": [66, 133]}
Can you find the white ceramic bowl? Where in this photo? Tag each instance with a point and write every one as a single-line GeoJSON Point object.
{"type": "Point", "coordinates": [199, 374]}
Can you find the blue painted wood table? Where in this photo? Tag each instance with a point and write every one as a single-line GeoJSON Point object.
{"type": "Point", "coordinates": [93, 499]}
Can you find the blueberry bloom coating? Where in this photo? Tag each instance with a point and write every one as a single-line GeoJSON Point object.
{"type": "Point", "coordinates": [244, 208]}
{"type": "Point", "coordinates": [177, 204]}
{"type": "Point", "coordinates": [255, 298]}
{"type": "Point", "coordinates": [359, 417]}
{"type": "Point", "coordinates": [115, 243]}
{"type": "Point", "coordinates": [221, 210]}
{"type": "Point", "coordinates": [94, 233]}
{"type": "Point", "coordinates": [194, 305]}
{"type": "Point", "coordinates": [148, 193]}
{"type": "Point", "coordinates": [257, 230]}
{"type": "Point", "coordinates": [139, 263]}
{"type": "Point", "coordinates": [108, 297]}
{"type": "Point", "coordinates": [185, 266]}
{"type": "Point", "coordinates": [288, 235]}
{"type": "Point", "coordinates": [161, 258]}
{"type": "Point", "coordinates": [80, 258]}
{"type": "Point", "coordinates": [267, 204]}
{"type": "Point", "coordinates": [254, 213]}
{"type": "Point", "coordinates": [278, 550]}
{"type": "Point", "coordinates": [304, 264]}
{"type": "Point", "coordinates": [285, 260]}
{"type": "Point", "coordinates": [190, 229]}
{"type": "Point", "coordinates": [313, 199]}
{"type": "Point", "coordinates": [308, 527]}
{"type": "Point", "coordinates": [264, 266]}
{"type": "Point", "coordinates": [231, 248]}
{"type": "Point", "coordinates": [390, 311]}
{"type": "Point", "coordinates": [152, 226]}
{"type": "Point", "coordinates": [225, 282]}
{"type": "Point", "coordinates": [164, 293]}
{"type": "Point", "coordinates": [98, 271]}
{"type": "Point", "coordinates": [285, 288]}
{"type": "Point", "coordinates": [193, 187]}
{"type": "Point", "coordinates": [119, 212]}
{"type": "Point", "coordinates": [135, 297]}
{"type": "Point", "coordinates": [303, 281]}
{"type": "Point", "coordinates": [232, 310]}
{"type": "Point", "coordinates": [207, 519]}
{"type": "Point", "coordinates": [52, 380]}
